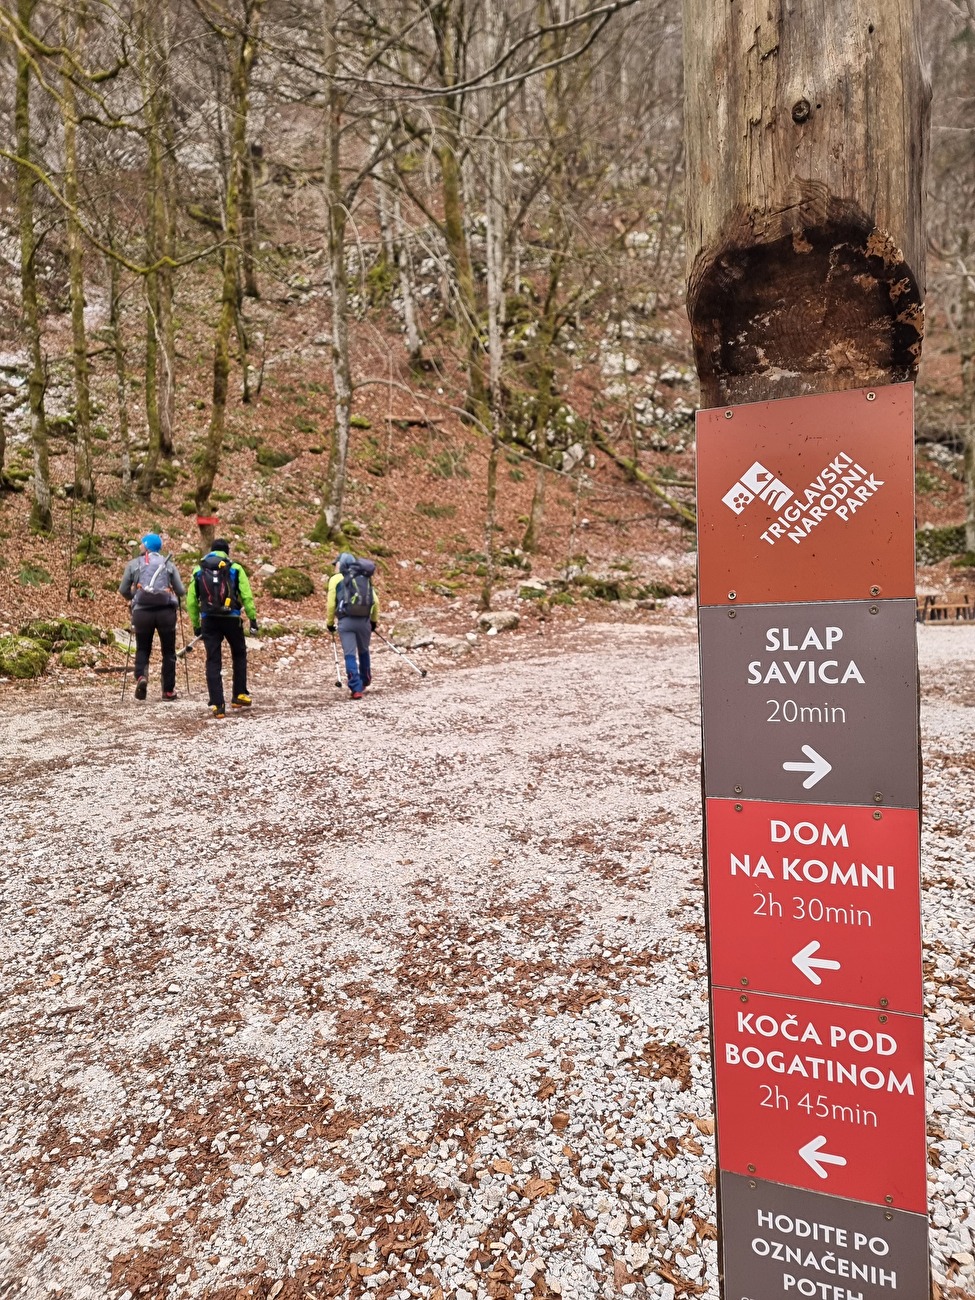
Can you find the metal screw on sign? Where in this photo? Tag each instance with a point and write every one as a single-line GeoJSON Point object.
{"type": "Point", "coordinates": [874, 609]}
{"type": "Point", "coordinates": [732, 613]}
{"type": "Point", "coordinates": [871, 397]}
{"type": "Point", "coordinates": [743, 980]}
{"type": "Point", "coordinates": [743, 998]}
{"type": "Point", "coordinates": [752, 1184]}
{"type": "Point", "coordinates": [878, 797]}
{"type": "Point", "coordinates": [729, 415]}
{"type": "Point", "coordinates": [732, 595]}
{"type": "Point", "coordinates": [877, 816]}
{"type": "Point", "coordinates": [889, 1200]}
{"type": "Point", "coordinates": [874, 591]}
{"type": "Point", "coordinates": [737, 789]}
{"type": "Point", "coordinates": [887, 1215]}
{"type": "Point", "coordinates": [737, 807]}
{"type": "Point", "coordinates": [751, 1169]}
{"type": "Point", "coordinates": [882, 1019]}
{"type": "Point", "coordinates": [884, 1002]}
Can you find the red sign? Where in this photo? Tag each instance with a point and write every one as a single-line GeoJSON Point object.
{"type": "Point", "coordinates": [807, 498]}
{"type": "Point", "coordinates": [824, 1097]}
{"type": "Point", "coordinates": [816, 901]}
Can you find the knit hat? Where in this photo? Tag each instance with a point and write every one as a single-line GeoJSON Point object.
{"type": "Point", "coordinates": [221, 544]}
{"type": "Point", "coordinates": [152, 542]}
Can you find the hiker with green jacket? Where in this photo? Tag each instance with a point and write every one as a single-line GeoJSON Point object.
{"type": "Point", "coordinates": [218, 594]}
{"type": "Point", "coordinates": [352, 604]}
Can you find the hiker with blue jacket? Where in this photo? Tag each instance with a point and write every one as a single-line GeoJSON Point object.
{"type": "Point", "coordinates": [352, 607]}
{"type": "Point", "coordinates": [219, 594]}
{"type": "Point", "coordinates": [153, 585]}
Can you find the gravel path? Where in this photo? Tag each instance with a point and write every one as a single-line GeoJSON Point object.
{"type": "Point", "coordinates": [401, 999]}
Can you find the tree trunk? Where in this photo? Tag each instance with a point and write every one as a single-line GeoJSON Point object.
{"type": "Point", "coordinates": [242, 63]}
{"type": "Point", "coordinates": [41, 519]}
{"type": "Point", "coordinates": [452, 191]}
{"type": "Point", "coordinates": [966, 348]}
{"type": "Point", "coordinates": [155, 242]}
{"type": "Point", "coordinates": [167, 192]}
{"type": "Point", "coordinates": [338, 454]}
{"type": "Point", "coordinates": [84, 486]}
{"type": "Point", "coordinates": [414, 340]}
{"type": "Point", "coordinates": [121, 372]}
{"type": "Point", "coordinates": [806, 138]}
{"type": "Point", "coordinates": [248, 224]}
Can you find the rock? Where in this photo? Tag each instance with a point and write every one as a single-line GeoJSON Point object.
{"type": "Point", "coordinates": [22, 657]}
{"type": "Point", "coordinates": [50, 630]}
{"type": "Point", "coordinates": [412, 634]}
{"type": "Point", "coordinates": [267, 569]}
{"type": "Point", "coordinates": [501, 620]}
{"type": "Point", "coordinates": [85, 656]}
{"type": "Point", "coordinates": [289, 584]}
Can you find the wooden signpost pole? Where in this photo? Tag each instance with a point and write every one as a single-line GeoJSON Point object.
{"type": "Point", "coordinates": [806, 132]}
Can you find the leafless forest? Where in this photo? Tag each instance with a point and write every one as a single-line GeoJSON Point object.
{"type": "Point", "coordinates": [463, 216]}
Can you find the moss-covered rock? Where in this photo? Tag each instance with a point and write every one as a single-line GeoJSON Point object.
{"type": "Point", "coordinates": [82, 656]}
{"type": "Point", "coordinates": [50, 630]}
{"type": "Point", "coordinates": [273, 630]}
{"type": "Point", "coordinates": [289, 584]}
{"type": "Point", "coordinates": [22, 656]}
{"type": "Point", "coordinates": [271, 458]}
{"type": "Point", "coordinates": [935, 544]}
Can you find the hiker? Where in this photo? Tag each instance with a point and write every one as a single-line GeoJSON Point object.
{"type": "Point", "coordinates": [153, 585]}
{"type": "Point", "coordinates": [353, 605]}
{"type": "Point", "coordinates": [219, 592]}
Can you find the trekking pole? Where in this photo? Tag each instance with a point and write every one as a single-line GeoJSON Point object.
{"type": "Point", "coordinates": [182, 632]}
{"type": "Point", "coordinates": [335, 656]}
{"type": "Point", "coordinates": [397, 650]}
{"type": "Point", "coordinates": [125, 673]}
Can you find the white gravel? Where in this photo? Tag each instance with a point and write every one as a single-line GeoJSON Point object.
{"type": "Point", "coordinates": [405, 998]}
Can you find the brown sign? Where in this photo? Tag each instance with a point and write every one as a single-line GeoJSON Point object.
{"type": "Point", "coordinates": [807, 498]}
{"type": "Point", "coordinates": [781, 1241]}
{"type": "Point", "coordinates": [813, 703]}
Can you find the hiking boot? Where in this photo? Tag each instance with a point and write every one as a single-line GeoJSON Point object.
{"type": "Point", "coordinates": [141, 687]}
{"type": "Point", "coordinates": [170, 695]}
{"type": "Point", "coordinates": [218, 711]}
{"type": "Point", "coordinates": [357, 695]}
{"type": "Point", "coordinates": [367, 682]}
{"type": "Point", "coordinates": [241, 702]}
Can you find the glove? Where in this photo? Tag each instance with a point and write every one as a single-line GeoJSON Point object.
{"type": "Point", "coordinates": [253, 627]}
{"type": "Point", "coordinates": [373, 624]}
{"type": "Point", "coordinates": [198, 631]}
{"type": "Point", "coordinates": [331, 628]}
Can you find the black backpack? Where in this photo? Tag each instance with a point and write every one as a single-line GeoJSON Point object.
{"type": "Point", "coordinates": [355, 598]}
{"type": "Point", "coordinates": [216, 585]}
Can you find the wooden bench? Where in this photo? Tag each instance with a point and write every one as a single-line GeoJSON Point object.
{"type": "Point", "coordinates": [955, 607]}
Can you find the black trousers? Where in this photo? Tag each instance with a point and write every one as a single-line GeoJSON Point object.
{"type": "Point", "coordinates": [147, 622]}
{"type": "Point", "coordinates": [217, 629]}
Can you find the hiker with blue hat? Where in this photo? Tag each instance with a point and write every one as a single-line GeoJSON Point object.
{"type": "Point", "coordinates": [353, 607]}
{"type": "Point", "coordinates": [153, 585]}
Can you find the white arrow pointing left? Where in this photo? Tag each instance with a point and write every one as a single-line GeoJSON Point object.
{"type": "Point", "coordinates": [815, 1157]}
{"type": "Point", "coordinates": [806, 962]}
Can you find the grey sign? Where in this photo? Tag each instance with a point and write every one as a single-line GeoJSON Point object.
{"type": "Point", "coordinates": [811, 703]}
{"type": "Point", "coordinates": [784, 1242]}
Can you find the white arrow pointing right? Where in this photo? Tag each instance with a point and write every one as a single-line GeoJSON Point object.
{"type": "Point", "coordinates": [817, 767]}
{"type": "Point", "coordinates": [806, 962]}
{"type": "Point", "coordinates": [815, 1157]}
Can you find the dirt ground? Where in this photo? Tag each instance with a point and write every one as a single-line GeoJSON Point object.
{"type": "Point", "coordinates": [404, 998]}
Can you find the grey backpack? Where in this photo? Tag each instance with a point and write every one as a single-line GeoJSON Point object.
{"type": "Point", "coordinates": [154, 585]}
